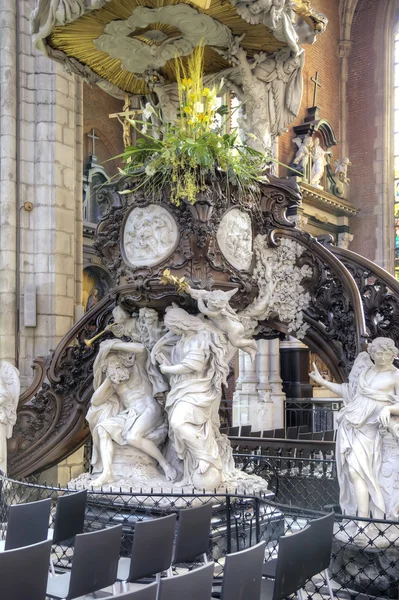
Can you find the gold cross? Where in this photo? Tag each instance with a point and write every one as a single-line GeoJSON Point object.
{"type": "Point", "coordinates": [123, 118]}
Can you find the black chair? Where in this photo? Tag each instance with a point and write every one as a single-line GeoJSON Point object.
{"type": "Point", "coordinates": [193, 532]}
{"type": "Point", "coordinates": [245, 430]}
{"type": "Point", "coordinates": [27, 524]}
{"type": "Point", "coordinates": [305, 436]}
{"type": "Point", "coordinates": [318, 435]}
{"type": "Point", "coordinates": [329, 435]}
{"type": "Point", "coordinates": [194, 585]}
{"type": "Point", "coordinates": [147, 592]}
{"type": "Point", "coordinates": [94, 565]}
{"type": "Point", "coordinates": [242, 576]}
{"type": "Point", "coordinates": [291, 572]}
{"type": "Point", "coordinates": [152, 551]}
{"type": "Point", "coordinates": [317, 553]}
{"type": "Point", "coordinates": [268, 433]}
{"type": "Point", "coordinates": [292, 433]}
{"type": "Point", "coordinates": [24, 572]}
{"type": "Point", "coordinates": [234, 431]}
{"type": "Point", "coordinates": [69, 518]}
{"type": "Point", "coordinates": [257, 434]}
{"type": "Point", "coordinates": [303, 429]}
{"type": "Point", "coordinates": [279, 433]}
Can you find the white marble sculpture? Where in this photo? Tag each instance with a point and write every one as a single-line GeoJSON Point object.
{"type": "Point", "coordinates": [279, 280]}
{"type": "Point", "coordinates": [215, 305]}
{"type": "Point", "coordinates": [194, 355]}
{"type": "Point", "coordinates": [9, 396]}
{"type": "Point", "coordinates": [234, 237]}
{"type": "Point", "coordinates": [303, 154]}
{"type": "Point", "coordinates": [319, 163]}
{"type": "Point", "coordinates": [371, 399]}
{"type": "Point", "coordinates": [277, 15]}
{"type": "Point", "coordinates": [149, 235]}
{"type": "Point", "coordinates": [137, 56]}
{"type": "Point", "coordinates": [271, 89]}
{"type": "Point", "coordinates": [341, 169]}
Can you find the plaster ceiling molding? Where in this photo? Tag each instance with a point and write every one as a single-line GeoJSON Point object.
{"type": "Point", "coordinates": [138, 56]}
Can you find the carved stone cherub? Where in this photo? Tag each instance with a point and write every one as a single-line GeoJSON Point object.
{"type": "Point", "coordinates": [215, 305]}
{"type": "Point", "coordinates": [301, 159]}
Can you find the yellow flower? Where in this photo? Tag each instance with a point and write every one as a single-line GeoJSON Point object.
{"type": "Point", "coordinates": [203, 118]}
{"type": "Point", "coordinates": [206, 92]}
{"type": "Point", "coordinates": [190, 122]}
{"type": "Point", "coordinates": [187, 82]}
{"type": "Point", "coordinates": [187, 110]}
{"type": "Point", "coordinates": [192, 96]}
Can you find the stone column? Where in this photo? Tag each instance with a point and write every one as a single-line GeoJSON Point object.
{"type": "Point", "coordinates": [40, 168]}
{"type": "Point", "coordinates": [265, 408]}
{"type": "Point", "coordinates": [8, 178]}
{"type": "Point", "coordinates": [277, 394]}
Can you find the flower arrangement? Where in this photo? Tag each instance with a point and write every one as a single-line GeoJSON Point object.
{"type": "Point", "coordinates": [184, 153]}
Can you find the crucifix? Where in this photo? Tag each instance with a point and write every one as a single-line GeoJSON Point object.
{"type": "Point", "coordinates": [123, 118]}
{"type": "Point", "coordinates": [93, 138]}
{"type": "Point", "coordinates": [316, 85]}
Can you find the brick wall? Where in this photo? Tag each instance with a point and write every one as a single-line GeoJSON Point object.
{"type": "Point", "coordinates": [321, 57]}
{"type": "Point", "coordinates": [97, 106]}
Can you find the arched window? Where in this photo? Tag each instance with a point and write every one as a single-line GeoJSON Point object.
{"type": "Point", "coordinates": [396, 147]}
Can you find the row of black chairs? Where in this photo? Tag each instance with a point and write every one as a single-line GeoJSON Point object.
{"type": "Point", "coordinates": [291, 433]}
{"type": "Point", "coordinates": [156, 548]}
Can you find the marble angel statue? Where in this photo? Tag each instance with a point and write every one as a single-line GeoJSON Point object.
{"type": "Point", "coordinates": [9, 396]}
{"type": "Point", "coordinates": [215, 305]}
{"type": "Point", "coordinates": [302, 156]}
{"type": "Point", "coordinates": [371, 398]}
{"type": "Point", "coordinates": [319, 163]}
{"type": "Point", "coordinates": [341, 169]}
{"type": "Point", "coordinates": [194, 355]}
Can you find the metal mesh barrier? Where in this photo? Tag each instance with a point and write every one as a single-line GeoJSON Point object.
{"type": "Point", "coordinates": [365, 556]}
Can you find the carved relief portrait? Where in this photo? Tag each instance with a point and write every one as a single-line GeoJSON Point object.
{"type": "Point", "coordinates": [150, 235]}
{"type": "Point", "coordinates": [234, 237]}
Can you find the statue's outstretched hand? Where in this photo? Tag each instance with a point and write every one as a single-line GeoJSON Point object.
{"type": "Point", "coordinates": [385, 416]}
{"type": "Point", "coordinates": [315, 375]}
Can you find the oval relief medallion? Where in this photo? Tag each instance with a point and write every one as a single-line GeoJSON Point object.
{"type": "Point", "coordinates": [149, 236]}
{"type": "Point", "coordinates": [234, 237]}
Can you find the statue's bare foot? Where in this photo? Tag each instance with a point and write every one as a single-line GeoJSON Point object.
{"type": "Point", "coordinates": [105, 477]}
{"type": "Point", "coordinates": [203, 466]}
{"type": "Point", "coordinates": [170, 472]}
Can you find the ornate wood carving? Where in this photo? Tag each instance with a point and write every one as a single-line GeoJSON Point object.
{"type": "Point", "coordinates": [51, 420]}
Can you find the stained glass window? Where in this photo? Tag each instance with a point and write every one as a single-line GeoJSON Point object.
{"type": "Point", "coordinates": [396, 151]}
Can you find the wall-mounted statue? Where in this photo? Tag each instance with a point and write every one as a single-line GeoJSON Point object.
{"type": "Point", "coordinates": [371, 398]}
{"type": "Point", "coordinates": [9, 396]}
{"type": "Point", "coordinates": [319, 163]}
{"type": "Point", "coordinates": [303, 154]}
{"type": "Point", "coordinates": [341, 169]}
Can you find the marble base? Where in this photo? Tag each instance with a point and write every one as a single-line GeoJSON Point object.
{"type": "Point", "coordinates": [135, 472]}
{"type": "Point", "coordinates": [365, 568]}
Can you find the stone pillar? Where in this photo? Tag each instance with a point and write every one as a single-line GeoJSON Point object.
{"type": "Point", "coordinates": [259, 399]}
{"type": "Point", "coordinates": [277, 394]}
{"type": "Point", "coordinates": [8, 179]}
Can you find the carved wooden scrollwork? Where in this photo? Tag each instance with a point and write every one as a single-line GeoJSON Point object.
{"type": "Point", "coordinates": [379, 292]}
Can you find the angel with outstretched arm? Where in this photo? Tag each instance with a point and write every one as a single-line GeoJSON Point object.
{"type": "Point", "coordinates": [371, 397]}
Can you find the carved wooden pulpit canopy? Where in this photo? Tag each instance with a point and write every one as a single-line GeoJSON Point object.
{"type": "Point", "coordinates": [117, 43]}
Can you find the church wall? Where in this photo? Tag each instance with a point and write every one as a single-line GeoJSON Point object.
{"type": "Point", "coordinates": [322, 56]}
{"type": "Point", "coordinates": [97, 106]}
{"type": "Point", "coordinates": [369, 130]}
{"type": "Point", "coordinates": [44, 158]}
